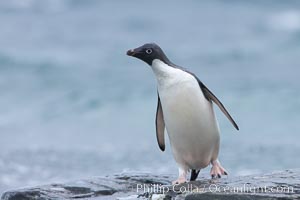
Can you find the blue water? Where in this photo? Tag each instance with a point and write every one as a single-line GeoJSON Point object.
{"type": "Point", "coordinates": [73, 105]}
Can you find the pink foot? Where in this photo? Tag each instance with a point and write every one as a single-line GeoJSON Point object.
{"type": "Point", "coordinates": [181, 177]}
{"type": "Point", "coordinates": [217, 170]}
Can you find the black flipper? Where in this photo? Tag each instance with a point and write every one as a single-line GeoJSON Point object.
{"type": "Point", "coordinates": [211, 97]}
{"type": "Point", "coordinates": [160, 126]}
{"type": "Point", "coordinates": [194, 174]}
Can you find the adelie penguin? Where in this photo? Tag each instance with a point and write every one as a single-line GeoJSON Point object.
{"type": "Point", "coordinates": [185, 109]}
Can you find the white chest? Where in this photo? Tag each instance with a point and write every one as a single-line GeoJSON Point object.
{"type": "Point", "coordinates": [180, 94]}
{"type": "Point", "coordinates": [168, 77]}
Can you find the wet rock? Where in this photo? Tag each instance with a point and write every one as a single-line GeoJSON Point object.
{"type": "Point", "coordinates": [277, 185]}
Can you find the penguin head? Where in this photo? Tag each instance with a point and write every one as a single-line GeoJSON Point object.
{"type": "Point", "coordinates": [148, 52]}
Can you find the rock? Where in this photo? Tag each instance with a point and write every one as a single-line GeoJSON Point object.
{"type": "Point", "coordinates": [127, 186]}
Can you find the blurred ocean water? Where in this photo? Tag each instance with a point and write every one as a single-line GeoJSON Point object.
{"type": "Point", "coordinates": [73, 105]}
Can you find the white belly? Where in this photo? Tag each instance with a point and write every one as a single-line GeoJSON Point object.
{"type": "Point", "coordinates": [190, 121]}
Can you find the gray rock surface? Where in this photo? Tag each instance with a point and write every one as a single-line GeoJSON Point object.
{"type": "Point", "coordinates": [276, 185]}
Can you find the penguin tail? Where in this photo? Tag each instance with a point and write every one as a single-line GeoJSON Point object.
{"type": "Point", "coordinates": [194, 174]}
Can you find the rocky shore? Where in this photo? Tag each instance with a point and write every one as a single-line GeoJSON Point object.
{"type": "Point", "coordinates": [125, 186]}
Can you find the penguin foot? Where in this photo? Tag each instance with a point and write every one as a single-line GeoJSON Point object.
{"type": "Point", "coordinates": [181, 177]}
{"type": "Point", "coordinates": [217, 170]}
{"type": "Point", "coordinates": [179, 181]}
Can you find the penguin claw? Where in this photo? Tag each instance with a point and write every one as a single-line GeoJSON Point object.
{"type": "Point", "coordinates": [179, 181]}
{"type": "Point", "coordinates": [217, 170]}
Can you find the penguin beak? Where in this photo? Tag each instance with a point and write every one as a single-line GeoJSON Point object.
{"type": "Point", "coordinates": [131, 52]}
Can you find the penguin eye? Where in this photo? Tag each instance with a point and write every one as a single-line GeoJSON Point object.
{"type": "Point", "coordinates": [148, 51]}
